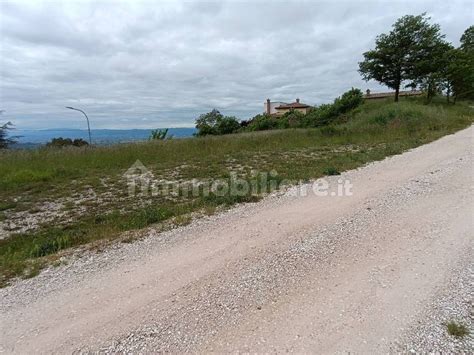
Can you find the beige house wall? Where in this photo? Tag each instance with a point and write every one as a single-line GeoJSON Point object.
{"type": "Point", "coordinates": [282, 111]}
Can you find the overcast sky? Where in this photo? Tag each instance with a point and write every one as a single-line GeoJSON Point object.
{"type": "Point", "coordinates": [160, 64]}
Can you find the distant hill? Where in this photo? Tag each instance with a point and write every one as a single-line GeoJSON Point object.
{"type": "Point", "coordinates": [35, 138]}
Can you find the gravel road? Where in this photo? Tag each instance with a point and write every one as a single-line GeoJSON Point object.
{"type": "Point", "coordinates": [377, 272]}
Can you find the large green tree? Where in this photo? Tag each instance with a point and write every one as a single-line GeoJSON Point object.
{"type": "Point", "coordinates": [467, 40]}
{"type": "Point", "coordinates": [403, 55]}
{"type": "Point", "coordinates": [432, 74]}
{"type": "Point", "coordinates": [215, 122]}
{"type": "Point", "coordinates": [461, 67]}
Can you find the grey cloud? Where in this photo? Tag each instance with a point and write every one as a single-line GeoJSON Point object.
{"type": "Point", "coordinates": [157, 64]}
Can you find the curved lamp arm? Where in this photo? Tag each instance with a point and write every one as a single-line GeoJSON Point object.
{"type": "Point", "coordinates": [87, 118]}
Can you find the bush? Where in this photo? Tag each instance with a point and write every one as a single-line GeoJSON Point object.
{"type": "Point", "coordinates": [331, 171]}
{"type": "Point", "coordinates": [330, 113]}
{"type": "Point", "coordinates": [328, 131]}
{"type": "Point", "coordinates": [293, 119]}
{"type": "Point", "coordinates": [160, 134]}
{"type": "Point", "coordinates": [66, 142]}
{"type": "Point", "coordinates": [227, 125]}
{"type": "Point", "coordinates": [348, 101]}
{"type": "Point", "coordinates": [321, 115]}
{"type": "Point", "coordinates": [262, 122]}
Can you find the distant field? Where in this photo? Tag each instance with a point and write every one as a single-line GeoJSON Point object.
{"type": "Point", "coordinates": [53, 200]}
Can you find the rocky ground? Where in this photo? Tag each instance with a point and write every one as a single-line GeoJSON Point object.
{"type": "Point", "coordinates": [453, 303]}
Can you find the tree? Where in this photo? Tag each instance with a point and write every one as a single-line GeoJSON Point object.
{"type": "Point", "coordinates": [402, 54]}
{"type": "Point", "coordinates": [6, 141]}
{"type": "Point", "coordinates": [227, 125]}
{"type": "Point", "coordinates": [467, 40]}
{"type": "Point", "coordinates": [446, 73]}
{"type": "Point", "coordinates": [433, 75]}
{"type": "Point", "coordinates": [461, 68]}
{"type": "Point", "coordinates": [207, 121]}
{"type": "Point", "coordinates": [214, 123]}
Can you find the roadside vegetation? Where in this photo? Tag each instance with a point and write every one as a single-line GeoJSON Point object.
{"type": "Point", "coordinates": [56, 199]}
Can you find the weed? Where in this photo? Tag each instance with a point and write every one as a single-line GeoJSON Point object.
{"type": "Point", "coordinates": [33, 269]}
{"type": "Point", "coordinates": [7, 205]}
{"type": "Point", "coordinates": [182, 220]}
{"type": "Point", "coordinates": [209, 210]}
{"type": "Point", "coordinates": [47, 246]}
{"type": "Point", "coordinates": [457, 329]}
{"type": "Point", "coordinates": [331, 171]}
{"type": "Point", "coordinates": [328, 131]}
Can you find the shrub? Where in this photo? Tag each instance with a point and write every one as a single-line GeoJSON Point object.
{"type": "Point", "coordinates": [321, 115]}
{"type": "Point", "coordinates": [160, 134]}
{"type": "Point", "coordinates": [262, 122]}
{"type": "Point", "coordinates": [330, 113]}
{"type": "Point", "coordinates": [348, 101]}
{"type": "Point", "coordinates": [244, 123]}
{"type": "Point", "coordinates": [227, 125]}
{"type": "Point", "coordinates": [385, 117]}
{"type": "Point", "coordinates": [331, 171]}
{"type": "Point", "coordinates": [293, 119]}
{"type": "Point", "coordinates": [328, 131]}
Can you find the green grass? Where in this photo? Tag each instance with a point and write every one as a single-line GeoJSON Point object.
{"type": "Point", "coordinates": [457, 329]}
{"type": "Point", "coordinates": [29, 178]}
{"type": "Point", "coordinates": [7, 205]}
{"type": "Point", "coordinates": [331, 171]}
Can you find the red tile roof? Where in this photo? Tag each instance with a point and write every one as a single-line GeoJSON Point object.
{"type": "Point", "coordinates": [292, 105]}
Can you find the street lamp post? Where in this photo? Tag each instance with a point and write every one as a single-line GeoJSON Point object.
{"type": "Point", "coordinates": [87, 118]}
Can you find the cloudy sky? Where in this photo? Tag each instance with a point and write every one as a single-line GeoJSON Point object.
{"type": "Point", "coordinates": [155, 64]}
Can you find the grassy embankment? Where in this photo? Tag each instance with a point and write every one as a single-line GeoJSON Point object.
{"type": "Point", "coordinates": [94, 206]}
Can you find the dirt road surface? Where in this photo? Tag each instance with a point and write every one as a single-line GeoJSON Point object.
{"type": "Point", "coordinates": [290, 273]}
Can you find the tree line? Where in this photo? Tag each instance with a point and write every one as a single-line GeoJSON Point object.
{"type": "Point", "coordinates": [415, 54]}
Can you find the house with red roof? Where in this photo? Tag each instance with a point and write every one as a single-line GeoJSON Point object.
{"type": "Point", "coordinates": [280, 108]}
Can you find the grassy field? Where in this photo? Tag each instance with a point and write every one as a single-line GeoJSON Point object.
{"type": "Point", "coordinates": [55, 199]}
